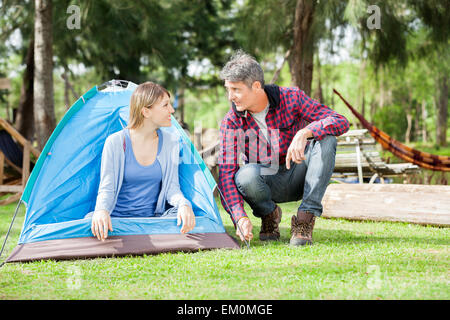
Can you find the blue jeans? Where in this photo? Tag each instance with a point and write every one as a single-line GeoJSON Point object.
{"type": "Point", "coordinates": [307, 181]}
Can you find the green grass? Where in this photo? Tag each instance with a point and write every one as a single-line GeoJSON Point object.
{"type": "Point", "coordinates": [349, 260]}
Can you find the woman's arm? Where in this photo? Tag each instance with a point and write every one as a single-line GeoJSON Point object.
{"type": "Point", "coordinates": [101, 220]}
{"type": "Point", "coordinates": [108, 178]}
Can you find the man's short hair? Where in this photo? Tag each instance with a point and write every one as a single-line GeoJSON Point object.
{"type": "Point", "coordinates": [242, 67]}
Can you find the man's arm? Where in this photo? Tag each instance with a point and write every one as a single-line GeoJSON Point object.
{"type": "Point", "coordinates": [232, 200]}
{"type": "Point", "coordinates": [323, 120]}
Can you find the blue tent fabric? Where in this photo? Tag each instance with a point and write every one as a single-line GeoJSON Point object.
{"type": "Point", "coordinates": [63, 186]}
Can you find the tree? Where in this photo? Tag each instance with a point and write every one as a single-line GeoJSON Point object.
{"type": "Point", "coordinates": [18, 15]}
{"type": "Point", "coordinates": [24, 121]}
{"type": "Point", "coordinates": [435, 18]}
{"type": "Point", "coordinates": [120, 39]}
{"type": "Point", "coordinates": [302, 54]}
{"type": "Point", "coordinates": [402, 21]}
{"type": "Point", "coordinates": [43, 76]}
{"type": "Point", "coordinates": [297, 26]}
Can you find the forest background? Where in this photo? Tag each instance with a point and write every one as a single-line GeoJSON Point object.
{"type": "Point", "coordinates": [390, 59]}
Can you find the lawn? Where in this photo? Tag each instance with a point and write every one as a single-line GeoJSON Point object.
{"type": "Point", "coordinates": [349, 260]}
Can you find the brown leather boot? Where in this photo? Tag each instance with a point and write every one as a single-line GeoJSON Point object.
{"type": "Point", "coordinates": [269, 225]}
{"type": "Point", "coordinates": [302, 226]}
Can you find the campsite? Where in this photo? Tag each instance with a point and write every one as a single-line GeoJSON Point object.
{"type": "Point", "coordinates": [65, 90]}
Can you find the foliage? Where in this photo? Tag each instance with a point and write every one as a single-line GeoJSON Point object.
{"type": "Point", "coordinates": [132, 41]}
{"type": "Point", "coordinates": [393, 121]}
{"type": "Point", "coordinates": [183, 44]}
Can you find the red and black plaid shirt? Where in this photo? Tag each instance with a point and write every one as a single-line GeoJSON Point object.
{"type": "Point", "coordinates": [290, 110]}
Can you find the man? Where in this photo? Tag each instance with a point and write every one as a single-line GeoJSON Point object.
{"type": "Point", "coordinates": [287, 144]}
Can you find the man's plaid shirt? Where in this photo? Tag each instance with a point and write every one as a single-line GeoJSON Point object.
{"type": "Point", "coordinates": [242, 142]}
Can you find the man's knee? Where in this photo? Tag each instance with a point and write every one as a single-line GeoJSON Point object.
{"type": "Point", "coordinates": [247, 176]}
{"type": "Point", "coordinates": [329, 142]}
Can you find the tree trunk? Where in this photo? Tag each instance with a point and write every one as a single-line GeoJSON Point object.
{"type": "Point", "coordinates": [442, 111]}
{"type": "Point", "coordinates": [68, 87]}
{"type": "Point", "coordinates": [408, 129]}
{"type": "Point", "coordinates": [24, 119]}
{"type": "Point", "coordinates": [318, 94]}
{"type": "Point", "coordinates": [276, 75]}
{"type": "Point", "coordinates": [301, 60]}
{"type": "Point", "coordinates": [417, 117]}
{"type": "Point", "coordinates": [409, 116]}
{"type": "Point", "coordinates": [382, 94]}
{"type": "Point", "coordinates": [361, 91]}
{"type": "Point", "coordinates": [424, 121]}
{"type": "Point", "coordinates": [43, 77]}
{"type": "Point", "coordinates": [373, 110]}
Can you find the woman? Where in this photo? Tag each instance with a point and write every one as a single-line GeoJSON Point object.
{"type": "Point", "coordinates": [139, 167]}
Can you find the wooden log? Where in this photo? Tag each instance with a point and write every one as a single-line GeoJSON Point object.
{"type": "Point", "coordinates": [420, 204]}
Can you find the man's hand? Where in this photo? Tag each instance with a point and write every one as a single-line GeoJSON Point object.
{"type": "Point", "coordinates": [186, 215]}
{"type": "Point", "coordinates": [101, 223]}
{"type": "Point", "coordinates": [296, 151]}
{"type": "Point", "coordinates": [245, 225]}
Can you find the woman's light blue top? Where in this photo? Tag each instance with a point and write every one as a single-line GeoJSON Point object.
{"type": "Point", "coordinates": [141, 185]}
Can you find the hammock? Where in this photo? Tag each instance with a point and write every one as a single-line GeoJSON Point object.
{"type": "Point", "coordinates": [10, 148]}
{"type": "Point", "coordinates": [422, 159]}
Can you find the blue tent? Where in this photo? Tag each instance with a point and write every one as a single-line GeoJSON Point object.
{"type": "Point", "coordinates": [63, 186]}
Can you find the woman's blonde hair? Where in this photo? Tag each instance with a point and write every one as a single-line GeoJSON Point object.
{"type": "Point", "coordinates": [144, 96]}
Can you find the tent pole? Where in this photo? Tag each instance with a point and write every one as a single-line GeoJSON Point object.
{"type": "Point", "coordinates": [9, 230]}
{"type": "Point", "coordinates": [235, 223]}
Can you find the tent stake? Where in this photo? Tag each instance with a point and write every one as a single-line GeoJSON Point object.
{"type": "Point", "coordinates": [9, 230]}
{"type": "Point", "coordinates": [236, 224]}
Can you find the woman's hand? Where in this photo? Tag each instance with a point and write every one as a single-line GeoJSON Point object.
{"type": "Point", "coordinates": [101, 223]}
{"type": "Point", "coordinates": [186, 215]}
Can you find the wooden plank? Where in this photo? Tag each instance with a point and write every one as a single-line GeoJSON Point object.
{"type": "Point", "coordinates": [14, 188]}
{"type": "Point", "coordinates": [26, 163]}
{"type": "Point", "coordinates": [404, 167]}
{"type": "Point", "coordinates": [358, 163]}
{"type": "Point", "coordinates": [372, 155]}
{"type": "Point", "coordinates": [355, 133]}
{"type": "Point", "coordinates": [11, 199]}
{"type": "Point", "coordinates": [421, 204]}
{"type": "Point", "coordinates": [343, 144]}
{"type": "Point", "coordinates": [352, 162]}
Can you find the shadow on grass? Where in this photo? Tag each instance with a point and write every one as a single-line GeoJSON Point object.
{"type": "Point", "coordinates": [344, 237]}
